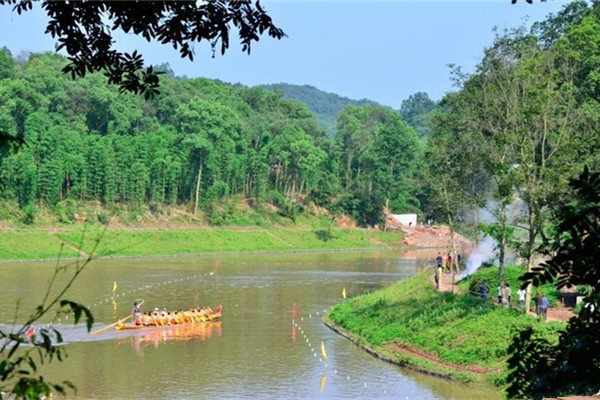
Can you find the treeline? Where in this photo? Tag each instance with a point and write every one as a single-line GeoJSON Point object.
{"type": "Point", "coordinates": [198, 143]}
{"type": "Point", "coordinates": [517, 128]}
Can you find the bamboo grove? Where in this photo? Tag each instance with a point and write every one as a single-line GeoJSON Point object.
{"type": "Point", "coordinates": [520, 126]}
{"type": "Point", "coordinates": [195, 144]}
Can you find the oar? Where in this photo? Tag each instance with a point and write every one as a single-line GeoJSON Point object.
{"type": "Point", "coordinates": [111, 325]}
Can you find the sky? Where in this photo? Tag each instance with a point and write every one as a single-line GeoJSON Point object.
{"type": "Point", "coordinates": [377, 50]}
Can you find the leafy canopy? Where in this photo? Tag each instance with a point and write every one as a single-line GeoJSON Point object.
{"type": "Point", "coordinates": [84, 30]}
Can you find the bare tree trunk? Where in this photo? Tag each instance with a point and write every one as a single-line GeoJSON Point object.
{"type": "Point", "coordinates": [197, 197]}
{"type": "Point", "coordinates": [249, 184]}
{"type": "Point", "coordinates": [452, 238]}
{"type": "Point", "coordinates": [454, 266]}
{"type": "Point", "coordinates": [476, 221]}
{"type": "Point", "coordinates": [386, 213]}
{"type": "Point", "coordinates": [502, 246]}
{"type": "Point", "coordinates": [530, 258]}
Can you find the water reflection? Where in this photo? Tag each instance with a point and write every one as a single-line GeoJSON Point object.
{"type": "Point", "coordinates": [157, 336]}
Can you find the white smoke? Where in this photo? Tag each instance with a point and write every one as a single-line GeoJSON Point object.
{"type": "Point", "coordinates": [484, 251]}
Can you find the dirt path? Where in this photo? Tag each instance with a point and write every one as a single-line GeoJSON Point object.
{"type": "Point", "coordinates": [69, 245]}
{"type": "Point", "coordinates": [448, 283]}
{"type": "Point", "coordinates": [433, 358]}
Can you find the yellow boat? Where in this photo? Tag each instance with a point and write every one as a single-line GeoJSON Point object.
{"type": "Point", "coordinates": [207, 318]}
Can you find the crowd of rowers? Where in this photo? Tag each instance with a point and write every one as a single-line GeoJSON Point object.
{"type": "Point", "coordinates": [165, 318]}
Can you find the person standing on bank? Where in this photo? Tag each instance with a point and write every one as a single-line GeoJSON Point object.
{"type": "Point", "coordinates": [507, 295]}
{"type": "Point", "coordinates": [544, 307]}
{"type": "Point", "coordinates": [484, 290]}
{"type": "Point", "coordinates": [521, 293]}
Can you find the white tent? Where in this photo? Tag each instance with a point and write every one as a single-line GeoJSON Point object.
{"type": "Point", "coordinates": [406, 219]}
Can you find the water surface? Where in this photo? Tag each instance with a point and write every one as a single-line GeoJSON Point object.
{"type": "Point", "coordinates": [256, 351]}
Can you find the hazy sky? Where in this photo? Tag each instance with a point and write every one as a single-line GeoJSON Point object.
{"type": "Point", "coordinates": [379, 50]}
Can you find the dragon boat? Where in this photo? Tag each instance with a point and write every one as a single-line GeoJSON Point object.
{"type": "Point", "coordinates": [213, 317]}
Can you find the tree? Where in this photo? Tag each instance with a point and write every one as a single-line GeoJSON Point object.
{"type": "Point", "coordinates": [539, 369]}
{"type": "Point", "coordinates": [418, 110]}
{"type": "Point", "coordinates": [84, 30]}
{"type": "Point", "coordinates": [376, 153]}
{"type": "Point", "coordinates": [455, 174]}
{"type": "Point", "coordinates": [533, 105]}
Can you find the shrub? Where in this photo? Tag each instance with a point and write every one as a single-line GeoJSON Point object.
{"type": "Point", "coordinates": [28, 214]}
{"type": "Point", "coordinates": [103, 217]}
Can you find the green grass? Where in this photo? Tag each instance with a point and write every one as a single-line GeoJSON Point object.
{"type": "Point", "coordinates": [18, 245]}
{"type": "Point", "coordinates": [40, 244]}
{"type": "Point", "coordinates": [460, 329]}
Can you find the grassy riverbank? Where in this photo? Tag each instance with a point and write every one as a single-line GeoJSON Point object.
{"type": "Point", "coordinates": [459, 336]}
{"type": "Point", "coordinates": [41, 244]}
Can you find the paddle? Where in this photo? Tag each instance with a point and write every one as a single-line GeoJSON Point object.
{"type": "Point", "coordinates": [111, 325]}
{"type": "Point", "coordinates": [115, 324]}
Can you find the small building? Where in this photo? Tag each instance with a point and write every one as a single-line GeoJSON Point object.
{"type": "Point", "coordinates": [406, 219]}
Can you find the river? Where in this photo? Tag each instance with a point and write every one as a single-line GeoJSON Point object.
{"type": "Point", "coordinates": [256, 351]}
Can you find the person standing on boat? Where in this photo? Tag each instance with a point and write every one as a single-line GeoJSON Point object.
{"type": "Point", "coordinates": [137, 314]}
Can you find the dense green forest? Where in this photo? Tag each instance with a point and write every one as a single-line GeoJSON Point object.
{"type": "Point", "coordinates": [518, 127]}
{"type": "Point", "coordinates": [200, 143]}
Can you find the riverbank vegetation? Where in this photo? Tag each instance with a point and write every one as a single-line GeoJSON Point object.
{"type": "Point", "coordinates": [153, 242]}
{"type": "Point", "coordinates": [459, 335]}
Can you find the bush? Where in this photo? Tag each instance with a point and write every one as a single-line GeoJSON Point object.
{"type": "Point", "coordinates": [28, 214]}
{"type": "Point", "coordinates": [216, 191]}
{"type": "Point", "coordinates": [66, 212]}
{"type": "Point", "coordinates": [103, 217]}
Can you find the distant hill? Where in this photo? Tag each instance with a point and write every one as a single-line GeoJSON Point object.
{"type": "Point", "coordinates": [325, 105]}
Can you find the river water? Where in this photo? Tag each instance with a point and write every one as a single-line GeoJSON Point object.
{"type": "Point", "coordinates": [256, 351]}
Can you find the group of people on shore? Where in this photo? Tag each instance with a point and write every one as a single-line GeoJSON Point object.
{"type": "Point", "coordinates": [443, 263]}
{"type": "Point", "coordinates": [505, 298]}
{"type": "Point", "coordinates": [165, 318]}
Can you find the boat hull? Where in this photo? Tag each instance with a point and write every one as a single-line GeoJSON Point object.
{"type": "Point", "coordinates": [130, 327]}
